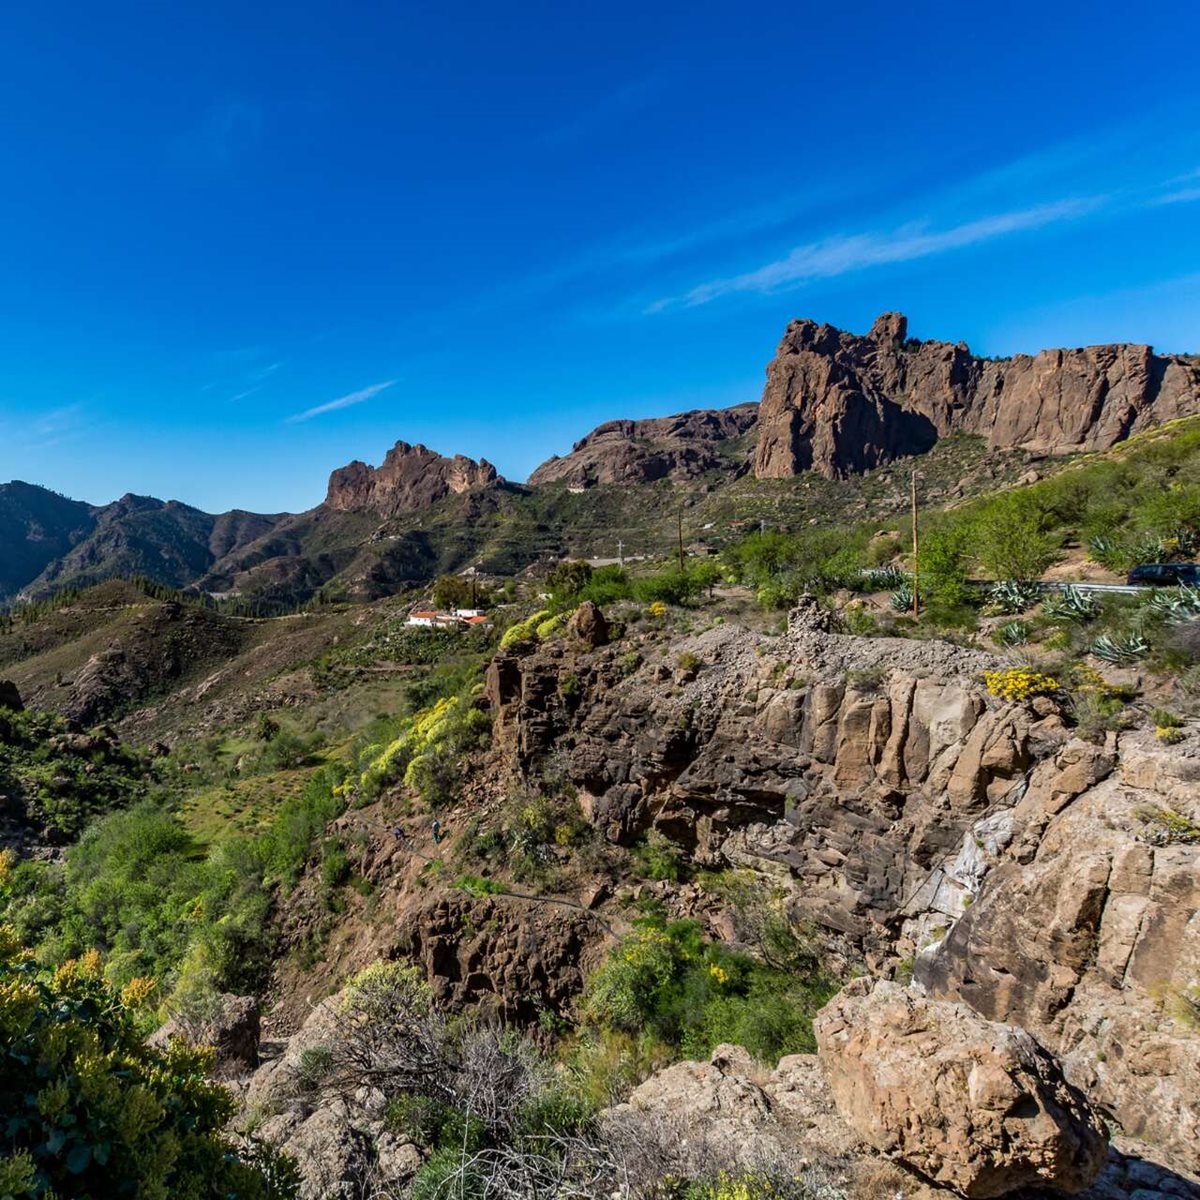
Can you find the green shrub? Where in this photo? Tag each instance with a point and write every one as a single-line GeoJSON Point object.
{"type": "Point", "coordinates": [90, 1110]}
{"type": "Point", "coordinates": [1010, 537]}
{"type": "Point", "coordinates": [667, 981]}
{"type": "Point", "coordinates": [447, 1174]}
{"type": "Point", "coordinates": [659, 858]}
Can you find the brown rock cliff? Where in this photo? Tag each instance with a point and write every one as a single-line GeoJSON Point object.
{"type": "Point", "coordinates": [409, 477]}
{"type": "Point", "coordinates": [839, 403]}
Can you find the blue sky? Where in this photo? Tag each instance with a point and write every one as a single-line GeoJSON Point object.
{"type": "Point", "coordinates": [241, 245]}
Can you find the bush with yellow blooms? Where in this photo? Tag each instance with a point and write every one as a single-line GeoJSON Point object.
{"type": "Point", "coordinates": [90, 1110]}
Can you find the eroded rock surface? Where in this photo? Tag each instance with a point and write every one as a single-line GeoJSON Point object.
{"type": "Point", "coordinates": [410, 477]}
{"type": "Point", "coordinates": [974, 1106]}
{"type": "Point", "coordinates": [1087, 933]}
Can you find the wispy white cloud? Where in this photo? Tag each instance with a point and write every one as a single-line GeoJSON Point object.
{"type": "Point", "coordinates": [346, 401]}
{"type": "Point", "coordinates": [843, 253]}
{"type": "Point", "coordinates": [1182, 196]}
{"type": "Point", "coordinates": [609, 109]}
{"type": "Point", "coordinates": [227, 132]}
{"type": "Point", "coordinates": [840, 254]}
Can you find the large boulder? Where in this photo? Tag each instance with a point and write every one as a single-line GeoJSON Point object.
{"type": "Point", "coordinates": [232, 1029]}
{"type": "Point", "coordinates": [589, 625]}
{"type": "Point", "coordinates": [970, 1104]}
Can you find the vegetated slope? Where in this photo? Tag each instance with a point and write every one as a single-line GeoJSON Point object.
{"type": "Point", "coordinates": [663, 830]}
{"type": "Point", "coordinates": [111, 649]}
{"type": "Point", "coordinates": [37, 526]}
{"type": "Point", "coordinates": [169, 542]}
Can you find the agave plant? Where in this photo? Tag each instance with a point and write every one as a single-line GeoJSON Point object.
{"type": "Point", "coordinates": [1013, 633]}
{"type": "Point", "coordinates": [1176, 604]}
{"type": "Point", "coordinates": [902, 599]}
{"type": "Point", "coordinates": [885, 579]}
{"type": "Point", "coordinates": [1118, 650]}
{"type": "Point", "coordinates": [1150, 548]}
{"type": "Point", "coordinates": [1012, 596]}
{"type": "Point", "coordinates": [1108, 552]}
{"type": "Point", "coordinates": [1072, 605]}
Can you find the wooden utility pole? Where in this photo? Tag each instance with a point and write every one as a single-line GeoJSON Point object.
{"type": "Point", "coordinates": [681, 570]}
{"type": "Point", "coordinates": [916, 551]}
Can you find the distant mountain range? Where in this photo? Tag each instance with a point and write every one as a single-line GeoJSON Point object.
{"type": "Point", "coordinates": [834, 403]}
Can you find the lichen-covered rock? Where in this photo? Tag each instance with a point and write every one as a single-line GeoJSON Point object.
{"type": "Point", "coordinates": [974, 1106]}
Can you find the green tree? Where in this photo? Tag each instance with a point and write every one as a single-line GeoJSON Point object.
{"type": "Point", "coordinates": [568, 579]}
{"type": "Point", "coordinates": [452, 591]}
{"type": "Point", "coordinates": [1011, 539]}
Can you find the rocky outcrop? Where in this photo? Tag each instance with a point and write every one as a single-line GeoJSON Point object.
{"type": "Point", "coordinates": [410, 477]}
{"type": "Point", "coordinates": [232, 1030]}
{"type": "Point", "coordinates": [679, 447]}
{"type": "Point", "coordinates": [343, 1150]}
{"type": "Point", "coordinates": [838, 403]}
{"type": "Point", "coordinates": [743, 1114]}
{"type": "Point", "coordinates": [974, 1106]}
{"type": "Point", "coordinates": [1087, 932]}
{"type": "Point", "coordinates": [851, 767]}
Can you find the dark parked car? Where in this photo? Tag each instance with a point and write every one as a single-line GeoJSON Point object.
{"type": "Point", "coordinates": [1166, 574]}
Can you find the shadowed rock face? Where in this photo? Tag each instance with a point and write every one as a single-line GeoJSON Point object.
{"type": "Point", "coordinates": [678, 447]}
{"type": "Point", "coordinates": [410, 477]}
{"type": "Point", "coordinates": [838, 403]}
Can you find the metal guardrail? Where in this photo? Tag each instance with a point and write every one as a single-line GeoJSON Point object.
{"type": "Point", "coordinates": [1120, 589]}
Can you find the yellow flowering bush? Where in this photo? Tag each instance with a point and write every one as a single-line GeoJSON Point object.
{"type": "Point", "coordinates": [436, 737]}
{"type": "Point", "coordinates": [1019, 683]}
{"type": "Point", "coordinates": [524, 631]}
{"type": "Point", "coordinates": [90, 1110]}
{"type": "Point", "coordinates": [737, 1187]}
{"type": "Point", "coordinates": [657, 609]}
{"type": "Point", "coordinates": [1168, 734]}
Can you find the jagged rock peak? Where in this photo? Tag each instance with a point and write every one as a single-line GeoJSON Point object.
{"type": "Point", "coordinates": [409, 477]}
{"type": "Point", "coordinates": [677, 447]}
{"type": "Point", "coordinates": [840, 403]}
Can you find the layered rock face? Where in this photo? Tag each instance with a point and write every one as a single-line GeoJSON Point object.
{"type": "Point", "coordinates": [410, 477]}
{"type": "Point", "coordinates": [1045, 881]}
{"type": "Point", "coordinates": [838, 403]}
{"type": "Point", "coordinates": [855, 785]}
{"type": "Point", "coordinates": [1087, 932]}
{"type": "Point", "coordinates": [624, 452]}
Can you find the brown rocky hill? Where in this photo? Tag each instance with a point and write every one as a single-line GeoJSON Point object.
{"type": "Point", "coordinates": [410, 477]}
{"type": "Point", "coordinates": [838, 403]}
{"type": "Point", "coordinates": [678, 447]}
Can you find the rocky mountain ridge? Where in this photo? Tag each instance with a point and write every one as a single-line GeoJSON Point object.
{"type": "Point", "coordinates": [838, 403]}
{"type": "Point", "coordinates": [835, 404]}
{"type": "Point", "coordinates": [630, 452]}
{"type": "Point", "coordinates": [410, 477]}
